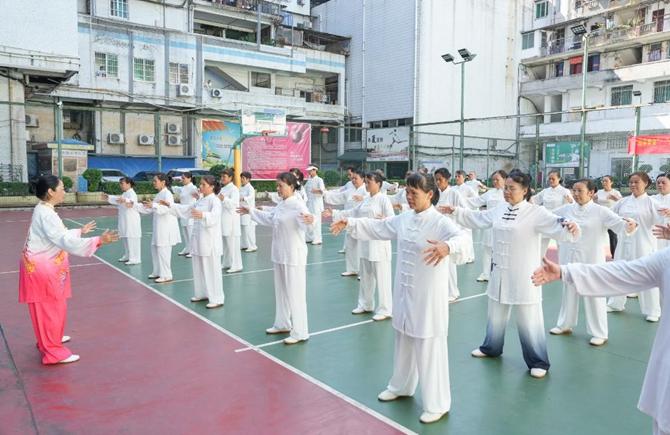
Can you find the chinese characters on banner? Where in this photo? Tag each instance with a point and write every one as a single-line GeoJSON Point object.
{"type": "Point", "coordinates": [388, 144]}
{"type": "Point", "coordinates": [649, 144]}
{"type": "Point", "coordinates": [267, 156]}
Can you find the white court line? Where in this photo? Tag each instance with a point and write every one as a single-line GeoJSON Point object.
{"type": "Point", "coordinates": [71, 266]}
{"type": "Point", "coordinates": [287, 366]}
{"type": "Point", "coordinates": [312, 334]}
{"type": "Point", "coordinates": [479, 295]}
{"type": "Point", "coordinates": [12, 222]}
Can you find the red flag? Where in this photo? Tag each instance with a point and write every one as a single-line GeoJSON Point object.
{"type": "Point", "coordinates": [649, 144]}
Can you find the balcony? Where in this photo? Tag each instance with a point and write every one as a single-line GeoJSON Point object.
{"type": "Point", "coordinates": [267, 7]}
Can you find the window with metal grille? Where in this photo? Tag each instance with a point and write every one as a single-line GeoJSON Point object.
{"type": "Point", "coordinates": [261, 80]}
{"type": "Point", "coordinates": [106, 65]}
{"type": "Point", "coordinates": [527, 40]}
{"type": "Point", "coordinates": [655, 52]}
{"type": "Point", "coordinates": [558, 69]}
{"type": "Point", "coordinates": [119, 8]}
{"type": "Point", "coordinates": [179, 73]}
{"type": "Point", "coordinates": [143, 70]}
{"type": "Point", "coordinates": [622, 95]}
{"type": "Point", "coordinates": [594, 62]}
{"type": "Point", "coordinates": [541, 9]}
{"type": "Point", "coordinates": [662, 91]}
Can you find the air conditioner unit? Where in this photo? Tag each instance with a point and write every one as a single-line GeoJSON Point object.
{"type": "Point", "coordinates": [145, 139]}
{"type": "Point", "coordinates": [217, 93]}
{"type": "Point", "coordinates": [184, 90]}
{"type": "Point", "coordinates": [172, 128]}
{"type": "Point", "coordinates": [116, 139]}
{"type": "Point", "coordinates": [173, 140]}
{"type": "Point", "coordinates": [32, 121]}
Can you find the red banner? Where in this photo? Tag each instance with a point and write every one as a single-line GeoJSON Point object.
{"type": "Point", "coordinates": [649, 144]}
{"type": "Point", "coordinates": [267, 156]}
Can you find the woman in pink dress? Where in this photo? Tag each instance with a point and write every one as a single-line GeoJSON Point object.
{"type": "Point", "coordinates": [44, 270]}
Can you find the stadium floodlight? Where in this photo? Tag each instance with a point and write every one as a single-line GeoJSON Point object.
{"type": "Point", "coordinates": [466, 55]}
{"type": "Point", "coordinates": [578, 30]}
{"type": "Point", "coordinates": [448, 58]}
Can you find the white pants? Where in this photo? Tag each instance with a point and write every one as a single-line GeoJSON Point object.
{"type": "Point", "coordinates": [313, 233]}
{"type": "Point", "coordinates": [352, 255]}
{"type": "Point", "coordinates": [425, 361]}
{"type": "Point", "coordinates": [160, 258]}
{"type": "Point", "coordinates": [594, 308]}
{"type": "Point", "coordinates": [232, 257]}
{"type": "Point", "coordinates": [375, 274]}
{"type": "Point", "coordinates": [132, 249]}
{"type": "Point", "coordinates": [207, 281]}
{"type": "Point", "coordinates": [454, 292]}
{"type": "Point", "coordinates": [291, 300]}
{"type": "Point", "coordinates": [186, 231]}
{"type": "Point", "coordinates": [650, 302]}
{"type": "Point", "coordinates": [469, 254]}
{"type": "Point", "coordinates": [658, 430]}
{"type": "Point", "coordinates": [248, 238]}
{"type": "Point", "coordinates": [486, 261]}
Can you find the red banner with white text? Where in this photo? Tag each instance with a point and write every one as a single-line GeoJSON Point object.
{"type": "Point", "coordinates": [649, 144]}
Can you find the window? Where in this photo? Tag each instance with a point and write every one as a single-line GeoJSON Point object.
{"type": "Point", "coordinates": [541, 9]}
{"type": "Point", "coordinates": [527, 40]}
{"type": "Point", "coordinates": [558, 69]}
{"type": "Point", "coordinates": [622, 95]}
{"type": "Point", "coordinates": [662, 91]}
{"type": "Point", "coordinates": [261, 80]}
{"type": "Point", "coordinates": [106, 65]}
{"type": "Point", "coordinates": [594, 62]}
{"type": "Point", "coordinates": [179, 73]}
{"type": "Point", "coordinates": [143, 70]}
{"type": "Point", "coordinates": [119, 8]}
{"type": "Point", "coordinates": [575, 65]}
{"type": "Point", "coordinates": [353, 134]}
{"type": "Point", "coordinates": [655, 52]}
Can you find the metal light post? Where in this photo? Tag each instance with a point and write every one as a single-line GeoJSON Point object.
{"type": "Point", "coordinates": [467, 57]}
{"type": "Point", "coordinates": [638, 106]}
{"type": "Point", "coordinates": [580, 30]}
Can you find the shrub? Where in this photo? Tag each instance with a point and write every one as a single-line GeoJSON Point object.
{"type": "Point", "coordinates": [67, 183]}
{"type": "Point", "coordinates": [14, 189]}
{"type": "Point", "coordinates": [94, 177]}
{"type": "Point", "coordinates": [141, 187]}
{"type": "Point", "coordinates": [216, 170]}
{"type": "Point", "coordinates": [665, 168]}
{"type": "Point", "coordinates": [331, 178]}
{"type": "Point", "coordinates": [645, 168]}
{"type": "Point", "coordinates": [265, 185]}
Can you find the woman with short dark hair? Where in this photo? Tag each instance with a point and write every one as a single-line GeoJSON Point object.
{"type": "Point", "coordinates": [129, 221]}
{"type": "Point", "coordinates": [188, 195]}
{"type": "Point", "coordinates": [230, 222]}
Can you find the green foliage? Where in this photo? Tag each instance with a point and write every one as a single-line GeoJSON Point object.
{"type": "Point", "coordinates": [264, 185]}
{"type": "Point", "coordinates": [14, 189]}
{"type": "Point", "coordinates": [331, 178]}
{"type": "Point", "coordinates": [216, 170]}
{"type": "Point", "coordinates": [645, 168]}
{"type": "Point", "coordinates": [94, 177]}
{"type": "Point", "coordinates": [141, 187]}
{"type": "Point", "coordinates": [67, 183]}
{"type": "Point", "coordinates": [665, 168]}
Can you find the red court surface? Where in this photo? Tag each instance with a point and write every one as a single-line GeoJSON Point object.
{"type": "Point", "coordinates": [147, 365]}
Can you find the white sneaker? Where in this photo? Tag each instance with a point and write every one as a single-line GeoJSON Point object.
{"type": "Point", "coordinates": [65, 339]}
{"type": "Point", "coordinates": [273, 330]}
{"type": "Point", "coordinates": [182, 253]}
{"type": "Point", "coordinates": [188, 255]}
{"type": "Point", "coordinates": [652, 319]}
{"type": "Point", "coordinates": [595, 341]}
{"type": "Point", "coordinates": [538, 373]}
{"type": "Point", "coordinates": [482, 278]}
{"type": "Point", "coordinates": [359, 310]}
{"type": "Point", "coordinates": [251, 250]}
{"type": "Point", "coordinates": [341, 251]}
{"type": "Point", "coordinates": [387, 396]}
{"type": "Point", "coordinates": [194, 299]}
{"type": "Point", "coordinates": [213, 305]}
{"type": "Point", "coordinates": [558, 331]}
{"type": "Point", "coordinates": [453, 298]}
{"type": "Point", "coordinates": [72, 358]}
{"type": "Point", "coordinates": [614, 310]}
{"type": "Point", "coordinates": [477, 353]}
{"type": "Point", "coordinates": [632, 296]}
{"type": "Point", "coordinates": [380, 317]}
{"type": "Point", "coordinates": [430, 417]}
{"type": "Point", "coordinates": [152, 276]}
{"type": "Point", "coordinates": [234, 270]}
{"type": "Point", "coordinates": [317, 243]}
{"type": "Point", "coordinates": [132, 263]}
{"type": "Point", "coordinates": [163, 280]}
{"type": "Point", "coordinates": [123, 260]}
{"type": "Point", "coordinates": [291, 340]}
{"type": "Point", "coordinates": [349, 273]}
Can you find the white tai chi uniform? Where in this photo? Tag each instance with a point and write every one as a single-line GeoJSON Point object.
{"type": "Point", "coordinates": [289, 258]}
{"type": "Point", "coordinates": [551, 198]}
{"type": "Point", "coordinates": [346, 197]}
{"type": "Point", "coordinates": [621, 278]}
{"type": "Point", "coordinates": [662, 201]}
{"type": "Point", "coordinates": [247, 226]}
{"type": "Point", "coordinates": [420, 302]}
{"type": "Point", "coordinates": [230, 227]}
{"type": "Point", "coordinates": [476, 185]}
{"type": "Point", "coordinates": [206, 247]}
{"type": "Point", "coordinates": [453, 198]}
{"type": "Point", "coordinates": [517, 230]}
{"type": "Point", "coordinates": [594, 220]}
{"type": "Point", "coordinates": [386, 187]}
{"type": "Point", "coordinates": [602, 197]}
{"type": "Point", "coordinates": [400, 199]}
{"type": "Point", "coordinates": [130, 226]}
{"type": "Point", "coordinates": [644, 211]}
{"type": "Point", "coordinates": [165, 234]}
{"type": "Point", "coordinates": [468, 193]}
{"type": "Point", "coordinates": [315, 207]}
{"type": "Point", "coordinates": [186, 198]}
{"type": "Point", "coordinates": [490, 199]}
{"type": "Point", "coordinates": [375, 259]}
{"type": "Point", "coordinates": [349, 185]}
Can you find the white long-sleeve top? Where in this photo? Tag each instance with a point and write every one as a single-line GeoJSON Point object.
{"type": "Point", "coordinates": [165, 224]}
{"type": "Point", "coordinates": [314, 200]}
{"type": "Point", "coordinates": [230, 218]}
{"type": "Point", "coordinates": [594, 220]}
{"type": "Point", "coordinates": [624, 277]}
{"type": "Point", "coordinates": [288, 230]}
{"type": "Point", "coordinates": [386, 186]}
{"type": "Point", "coordinates": [186, 198]}
{"type": "Point", "coordinates": [662, 201]}
{"type": "Point", "coordinates": [345, 197]}
{"type": "Point", "coordinates": [349, 185]}
{"type": "Point", "coordinates": [247, 198]}
{"type": "Point", "coordinates": [517, 231]}
{"type": "Point", "coordinates": [491, 199]}
{"type": "Point", "coordinates": [377, 206]}
{"type": "Point", "coordinates": [642, 210]}
{"type": "Point", "coordinates": [420, 296]}
{"type": "Point", "coordinates": [603, 197]}
{"type": "Point", "coordinates": [206, 236]}
{"type": "Point", "coordinates": [400, 199]}
{"type": "Point", "coordinates": [552, 197]}
{"type": "Point", "coordinates": [130, 222]}
{"type": "Point", "coordinates": [466, 191]}
{"type": "Point", "coordinates": [452, 197]}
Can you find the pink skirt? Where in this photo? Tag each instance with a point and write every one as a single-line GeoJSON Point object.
{"type": "Point", "coordinates": [43, 278]}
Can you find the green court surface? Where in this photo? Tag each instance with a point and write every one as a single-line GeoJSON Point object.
{"type": "Point", "coordinates": [588, 390]}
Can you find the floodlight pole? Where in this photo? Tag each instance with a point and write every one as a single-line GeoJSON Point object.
{"type": "Point", "coordinates": [462, 143]}
{"type": "Point", "coordinates": [582, 134]}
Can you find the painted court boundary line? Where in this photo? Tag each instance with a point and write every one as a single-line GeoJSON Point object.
{"type": "Point", "coordinates": [71, 266]}
{"type": "Point", "coordinates": [276, 360]}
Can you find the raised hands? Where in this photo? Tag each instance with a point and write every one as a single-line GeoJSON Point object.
{"type": "Point", "coordinates": [109, 237]}
{"type": "Point", "coordinates": [446, 209]}
{"type": "Point", "coordinates": [630, 225]}
{"type": "Point", "coordinates": [88, 227]}
{"type": "Point", "coordinates": [665, 212]}
{"type": "Point", "coordinates": [357, 198]}
{"type": "Point", "coordinates": [327, 213]}
{"type": "Point", "coordinates": [307, 218]}
{"type": "Point", "coordinates": [572, 227]}
{"type": "Point", "coordinates": [435, 252]}
{"type": "Point", "coordinates": [337, 227]}
{"type": "Point", "coordinates": [661, 231]}
{"type": "Point", "coordinates": [164, 202]}
{"type": "Point", "coordinates": [147, 203]}
{"type": "Point", "coordinates": [196, 214]}
{"type": "Point", "coordinates": [243, 210]}
{"type": "Point", "coordinates": [548, 272]}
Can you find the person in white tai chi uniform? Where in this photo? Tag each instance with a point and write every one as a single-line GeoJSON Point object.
{"type": "Point", "coordinates": [230, 222]}
{"type": "Point", "coordinates": [594, 221]}
{"type": "Point", "coordinates": [347, 186]}
{"type": "Point", "coordinates": [517, 228]}
{"type": "Point", "coordinates": [607, 197]}
{"type": "Point", "coordinates": [165, 229]}
{"type": "Point", "coordinates": [247, 226]}
{"type": "Point", "coordinates": [662, 198]}
{"type": "Point", "coordinates": [645, 211]}
{"type": "Point", "coordinates": [420, 306]}
{"type": "Point", "coordinates": [206, 243]}
{"type": "Point", "coordinates": [621, 278]}
{"type": "Point", "coordinates": [188, 195]}
{"type": "Point", "coordinates": [130, 223]}
{"type": "Point", "coordinates": [474, 183]}
{"type": "Point", "coordinates": [289, 221]}
{"type": "Point", "coordinates": [314, 189]}
{"type": "Point", "coordinates": [552, 197]}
